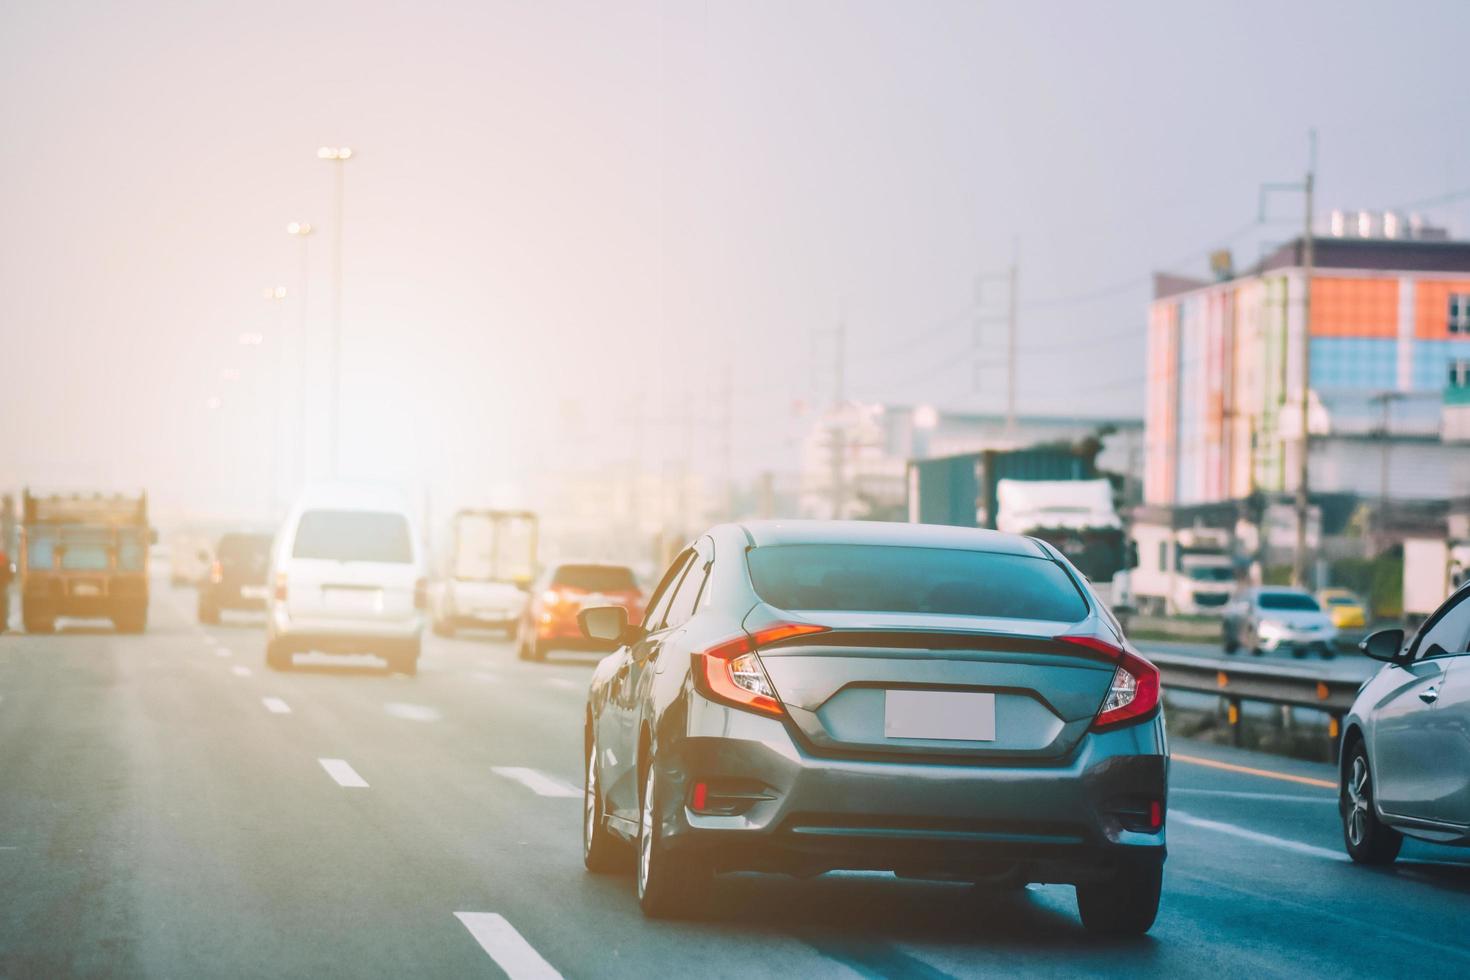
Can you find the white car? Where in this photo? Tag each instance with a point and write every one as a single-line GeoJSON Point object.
{"type": "Point", "coordinates": [468, 603]}
{"type": "Point", "coordinates": [1265, 619]}
{"type": "Point", "coordinates": [347, 576]}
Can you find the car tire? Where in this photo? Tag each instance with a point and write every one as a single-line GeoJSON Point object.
{"type": "Point", "coordinates": [602, 852]}
{"type": "Point", "coordinates": [405, 660]}
{"type": "Point", "coordinates": [536, 651]}
{"type": "Point", "coordinates": [36, 618]}
{"type": "Point", "coordinates": [1124, 905]}
{"type": "Point", "coordinates": [131, 621]}
{"type": "Point", "coordinates": [1231, 643]}
{"type": "Point", "coordinates": [669, 886]}
{"type": "Point", "coordinates": [208, 612]}
{"type": "Point", "coordinates": [1368, 840]}
{"type": "Point", "coordinates": [277, 655]}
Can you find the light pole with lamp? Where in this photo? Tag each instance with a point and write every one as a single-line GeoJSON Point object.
{"type": "Point", "coordinates": [338, 157]}
{"type": "Point", "coordinates": [276, 295]}
{"type": "Point", "coordinates": [301, 231]}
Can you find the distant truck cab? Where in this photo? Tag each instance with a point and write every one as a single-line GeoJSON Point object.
{"type": "Point", "coordinates": [492, 561]}
{"type": "Point", "coordinates": [84, 556]}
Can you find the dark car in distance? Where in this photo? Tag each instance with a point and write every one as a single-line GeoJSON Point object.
{"type": "Point", "coordinates": [942, 703]}
{"type": "Point", "coordinates": [237, 576]}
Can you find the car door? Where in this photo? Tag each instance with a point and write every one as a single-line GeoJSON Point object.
{"type": "Point", "coordinates": [617, 731]}
{"type": "Point", "coordinates": [1408, 745]}
{"type": "Point", "coordinates": [1446, 780]}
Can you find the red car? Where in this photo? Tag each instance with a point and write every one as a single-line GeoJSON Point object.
{"type": "Point", "coordinates": [550, 620]}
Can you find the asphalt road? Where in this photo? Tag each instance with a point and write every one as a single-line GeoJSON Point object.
{"type": "Point", "coordinates": [168, 807]}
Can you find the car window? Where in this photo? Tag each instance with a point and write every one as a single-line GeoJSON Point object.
{"type": "Point", "coordinates": [353, 535]}
{"type": "Point", "coordinates": [686, 596]}
{"type": "Point", "coordinates": [659, 603]}
{"type": "Point", "coordinates": [890, 578]}
{"type": "Point", "coordinates": [1449, 628]}
{"type": "Point", "coordinates": [1287, 602]}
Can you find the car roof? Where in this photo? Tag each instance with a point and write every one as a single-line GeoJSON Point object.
{"type": "Point", "coordinates": [778, 532]}
{"type": "Point", "coordinates": [354, 496]}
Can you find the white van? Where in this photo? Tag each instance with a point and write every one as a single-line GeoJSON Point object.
{"type": "Point", "coordinates": [348, 575]}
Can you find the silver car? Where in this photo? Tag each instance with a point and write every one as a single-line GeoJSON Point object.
{"type": "Point", "coordinates": [1406, 743]}
{"type": "Point", "coordinates": [948, 703]}
{"type": "Point", "coordinates": [1266, 619]}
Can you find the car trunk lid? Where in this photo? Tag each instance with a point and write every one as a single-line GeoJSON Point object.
{"type": "Point", "coordinates": [967, 688]}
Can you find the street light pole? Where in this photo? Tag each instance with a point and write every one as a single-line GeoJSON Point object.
{"type": "Point", "coordinates": [338, 157]}
{"type": "Point", "coordinates": [276, 295]}
{"type": "Point", "coordinates": [301, 231]}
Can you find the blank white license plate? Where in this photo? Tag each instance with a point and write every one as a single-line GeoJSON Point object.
{"type": "Point", "coordinates": [963, 716]}
{"type": "Point", "coordinates": [85, 588]}
{"type": "Point", "coordinates": [252, 592]}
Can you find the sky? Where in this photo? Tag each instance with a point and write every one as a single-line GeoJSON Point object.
{"type": "Point", "coordinates": [562, 217]}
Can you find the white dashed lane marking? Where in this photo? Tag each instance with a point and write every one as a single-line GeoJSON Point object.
{"type": "Point", "coordinates": [506, 947]}
{"type": "Point", "coordinates": [539, 782]}
{"type": "Point", "coordinates": [412, 712]}
{"type": "Point", "coordinates": [276, 706]}
{"type": "Point", "coordinates": [240, 670]}
{"type": "Point", "coordinates": [343, 773]}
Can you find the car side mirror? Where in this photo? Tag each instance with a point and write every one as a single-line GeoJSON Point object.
{"type": "Point", "coordinates": [606, 623]}
{"type": "Point", "coordinates": [1385, 645]}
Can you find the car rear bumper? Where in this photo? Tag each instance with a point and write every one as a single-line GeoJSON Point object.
{"type": "Point", "coordinates": [344, 635]}
{"type": "Point", "coordinates": [1078, 820]}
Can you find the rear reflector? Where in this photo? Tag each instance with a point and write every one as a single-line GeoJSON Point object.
{"type": "Point", "coordinates": [699, 799]}
{"type": "Point", "coordinates": [280, 586]}
{"type": "Point", "coordinates": [1155, 814]}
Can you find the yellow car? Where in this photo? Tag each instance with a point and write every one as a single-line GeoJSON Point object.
{"type": "Point", "coordinates": [1345, 608]}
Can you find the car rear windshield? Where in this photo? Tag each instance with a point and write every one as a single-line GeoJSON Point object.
{"type": "Point", "coordinates": [1288, 602]}
{"type": "Point", "coordinates": [886, 578]}
{"type": "Point", "coordinates": [243, 547]}
{"type": "Point", "coordinates": [353, 535]}
{"type": "Point", "coordinates": [1341, 600]}
{"type": "Point", "coordinates": [595, 578]}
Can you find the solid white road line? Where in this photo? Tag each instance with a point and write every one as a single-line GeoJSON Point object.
{"type": "Point", "coordinates": [1220, 827]}
{"type": "Point", "coordinates": [506, 947]}
{"type": "Point", "coordinates": [276, 706]}
{"type": "Point", "coordinates": [344, 774]}
{"type": "Point", "coordinates": [1239, 794]}
{"type": "Point", "coordinates": [240, 670]}
{"type": "Point", "coordinates": [412, 712]}
{"type": "Point", "coordinates": [539, 782]}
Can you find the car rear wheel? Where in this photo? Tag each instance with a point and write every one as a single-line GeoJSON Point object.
{"type": "Point", "coordinates": [208, 612]}
{"type": "Point", "coordinates": [1368, 839]}
{"type": "Point", "coordinates": [131, 620]}
{"type": "Point", "coordinates": [277, 655]}
{"type": "Point", "coordinates": [37, 618]}
{"type": "Point", "coordinates": [1124, 905]}
{"type": "Point", "coordinates": [602, 853]}
{"type": "Point", "coordinates": [668, 886]}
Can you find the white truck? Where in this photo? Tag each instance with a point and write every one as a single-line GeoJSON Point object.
{"type": "Point", "coordinates": [1186, 572]}
{"type": "Point", "coordinates": [492, 561]}
{"type": "Point", "coordinates": [1078, 518]}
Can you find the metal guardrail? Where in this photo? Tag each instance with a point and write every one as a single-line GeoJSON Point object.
{"type": "Point", "coordinates": [1242, 680]}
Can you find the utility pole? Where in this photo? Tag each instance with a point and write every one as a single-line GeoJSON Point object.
{"type": "Point", "coordinates": [301, 231]}
{"type": "Point", "coordinates": [1303, 488]}
{"type": "Point", "coordinates": [1011, 278]}
{"type": "Point", "coordinates": [839, 424]}
{"type": "Point", "coordinates": [1011, 343]}
{"type": "Point", "coordinates": [1303, 499]}
{"type": "Point", "coordinates": [338, 157]}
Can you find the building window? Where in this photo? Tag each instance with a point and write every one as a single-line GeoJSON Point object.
{"type": "Point", "coordinates": [1163, 556]}
{"type": "Point", "coordinates": [1460, 313]}
{"type": "Point", "coordinates": [1460, 374]}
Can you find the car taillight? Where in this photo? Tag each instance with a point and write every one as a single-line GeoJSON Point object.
{"type": "Point", "coordinates": [421, 594]}
{"type": "Point", "coordinates": [280, 586]}
{"type": "Point", "coordinates": [1134, 689]}
{"type": "Point", "coordinates": [216, 573]}
{"type": "Point", "coordinates": [731, 672]}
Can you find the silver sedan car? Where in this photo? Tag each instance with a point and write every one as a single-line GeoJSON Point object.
{"type": "Point", "coordinates": [1406, 743]}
